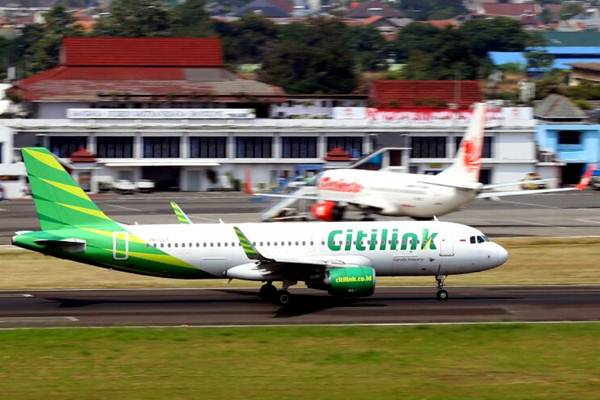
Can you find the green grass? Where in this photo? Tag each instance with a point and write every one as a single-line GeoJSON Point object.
{"type": "Point", "coordinates": [514, 361]}
{"type": "Point", "coordinates": [532, 261]}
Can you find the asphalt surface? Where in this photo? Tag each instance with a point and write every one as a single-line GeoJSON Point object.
{"type": "Point", "coordinates": [557, 214]}
{"type": "Point", "coordinates": [225, 307]}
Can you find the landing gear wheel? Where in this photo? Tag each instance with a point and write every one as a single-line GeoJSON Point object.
{"type": "Point", "coordinates": [283, 297]}
{"type": "Point", "coordinates": [267, 291]}
{"type": "Point", "coordinates": [442, 295]}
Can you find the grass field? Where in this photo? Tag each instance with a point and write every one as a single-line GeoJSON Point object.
{"type": "Point", "coordinates": [444, 362]}
{"type": "Point", "coordinates": [532, 261]}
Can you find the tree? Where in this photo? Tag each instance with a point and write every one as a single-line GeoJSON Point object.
{"type": "Point", "coordinates": [423, 10]}
{"type": "Point", "coordinates": [135, 18]}
{"type": "Point", "coordinates": [369, 47]}
{"type": "Point", "coordinates": [496, 34]}
{"type": "Point", "coordinates": [539, 60]}
{"type": "Point", "coordinates": [569, 10]}
{"type": "Point", "coordinates": [246, 40]}
{"type": "Point", "coordinates": [311, 58]}
{"type": "Point", "coordinates": [415, 37]}
{"type": "Point", "coordinates": [40, 44]}
{"type": "Point", "coordinates": [190, 19]}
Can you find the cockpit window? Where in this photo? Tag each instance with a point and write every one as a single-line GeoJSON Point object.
{"type": "Point", "coordinates": [478, 239]}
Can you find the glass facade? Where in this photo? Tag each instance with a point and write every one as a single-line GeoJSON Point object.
{"type": "Point", "coordinates": [428, 147]}
{"type": "Point", "coordinates": [298, 147]}
{"type": "Point", "coordinates": [161, 147]}
{"type": "Point", "coordinates": [351, 144]}
{"type": "Point", "coordinates": [208, 147]}
{"type": "Point", "coordinates": [64, 146]}
{"type": "Point", "coordinates": [114, 147]}
{"type": "Point", "coordinates": [253, 147]}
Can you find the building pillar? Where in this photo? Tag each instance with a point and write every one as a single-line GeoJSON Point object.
{"type": "Point", "coordinates": [322, 146]}
{"type": "Point", "coordinates": [276, 153]}
{"type": "Point", "coordinates": [230, 146]}
{"type": "Point", "coordinates": [138, 144]}
{"type": "Point", "coordinates": [92, 145]}
{"type": "Point", "coordinates": [184, 146]}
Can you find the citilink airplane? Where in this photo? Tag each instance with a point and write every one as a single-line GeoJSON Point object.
{"type": "Point", "coordinates": [343, 258]}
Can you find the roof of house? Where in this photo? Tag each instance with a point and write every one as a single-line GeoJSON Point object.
{"type": "Point", "coordinates": [555, 106]}
{"type": "Point", "coordinates": [145, 68]}
{"type": "Point", "coordinates": [595, 67]}
{"type": "Point", "coordinates": [443, 23]}
{"type": "Point", "coordinates": [371, 8]}
{"type": "Point", "coordinates": [147, 52]}
{"type": "Point", "coordinates": [409, 94]}
{"type": "Point", "coordinates": [267, 8]}
{"type": "Point", "coordinates": [509, 9]}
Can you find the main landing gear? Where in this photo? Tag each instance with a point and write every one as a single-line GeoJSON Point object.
{"type": "Point", "coordinates": [442, 294]}
{"type": "Point", "coordinates": [282, 297]}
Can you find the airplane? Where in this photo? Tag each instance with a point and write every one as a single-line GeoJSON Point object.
{"type": "Point", "coordinates": [413, 195]}
{"type": "Point", "coordinates": [342, 258]}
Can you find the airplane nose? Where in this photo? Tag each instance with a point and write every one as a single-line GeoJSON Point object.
{"type": "Point", "coordinates": [501, 255]}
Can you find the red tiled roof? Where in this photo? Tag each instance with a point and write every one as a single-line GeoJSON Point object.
{"type": "Point", "coordinates": [443, 23]}
{"type": "Point", "coordinates": [121, 71]}
{"type": "Point", "coordinates": [410, 94]}
{"type": "Point", "coordinates": [148, 52]}
{"type": "Point", "coordinates": [509, 9]}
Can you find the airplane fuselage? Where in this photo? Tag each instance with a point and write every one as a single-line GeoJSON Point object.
{"type": "Point", "coordinates": [209, 250]}
{"type": "Point", "coordinates": [394, 193]}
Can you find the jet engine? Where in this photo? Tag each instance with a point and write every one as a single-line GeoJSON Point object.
{"type": "Point", "coordinates": [327, 211]}
{"type": "Point", "coordinates": [346, 281]}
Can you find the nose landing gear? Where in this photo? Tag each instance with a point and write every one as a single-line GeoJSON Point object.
{"type": "Point", "coordinates": [442, 294]}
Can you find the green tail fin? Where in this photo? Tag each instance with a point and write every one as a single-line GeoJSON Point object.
{"type": "Point", "coordinates": [59, 201]}
{"type": "Point", "coordinates": [181, 216]}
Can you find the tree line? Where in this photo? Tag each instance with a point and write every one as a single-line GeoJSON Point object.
{"type": "Point", "coordinates": [319, 55]}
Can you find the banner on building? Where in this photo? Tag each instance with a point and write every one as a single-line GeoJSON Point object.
{"type": "Point", "coordinates": [160, 113]}
{"type": "Point", "coordinates": [505, 116]}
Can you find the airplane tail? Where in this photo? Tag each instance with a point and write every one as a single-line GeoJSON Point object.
{"type": "Point", "coordinates": [586, 177]}
{"type": "Point", "coordinates": [59, 201]}
{"type": "Point", "coordinates": [467, 162]}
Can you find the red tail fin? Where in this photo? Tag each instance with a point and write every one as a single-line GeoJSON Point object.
{"type": "Point", "coordinates": [585, 178]}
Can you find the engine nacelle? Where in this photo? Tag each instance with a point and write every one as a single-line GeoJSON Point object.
{"type": "Point", "coordinates": [347, 282]}
{"type": "Point", "coordinates": [327, 211]}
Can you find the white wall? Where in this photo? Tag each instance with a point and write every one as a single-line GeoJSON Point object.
{"type": "Point", "coordinates": [514, 146]}
{"type": "Point", "coordinates": [57, 110]}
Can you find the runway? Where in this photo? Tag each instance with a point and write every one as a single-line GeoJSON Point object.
{"type": "Point", "coordinates": [557, 214]}
{"type": "Point", "coordinates": [225, 307]}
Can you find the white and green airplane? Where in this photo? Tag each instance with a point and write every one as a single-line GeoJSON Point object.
{"type": "Point", "coordinates": [343, 258]}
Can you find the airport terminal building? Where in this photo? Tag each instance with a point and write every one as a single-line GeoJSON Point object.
{"type": "Point", "coordinates": [166, 109]}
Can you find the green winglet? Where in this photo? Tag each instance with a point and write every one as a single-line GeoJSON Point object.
{"type": "Point", "coordinates": [248, 247]}
{"type": "Point", "coordinates": [181, 216]}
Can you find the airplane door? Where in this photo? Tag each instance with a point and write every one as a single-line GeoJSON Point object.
{"type": "Point", "coordinates": [446, 246]}
{"type": "Point", "coordinates": [120, 245]}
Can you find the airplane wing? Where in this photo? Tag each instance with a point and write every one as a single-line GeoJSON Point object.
{"type": "Point", "coordinates": [489, 195]}
{"type": "Point", "coordinates": [527, 182]}
{"type": "Point", "coordinates": [299, 268]}
{"type": "Point", "coordinates": [181, 216]}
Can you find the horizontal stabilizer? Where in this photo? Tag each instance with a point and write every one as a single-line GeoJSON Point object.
{"type": "Point", "coordinates": [72, 245]}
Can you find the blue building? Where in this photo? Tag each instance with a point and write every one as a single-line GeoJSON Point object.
{"type": "Point", "coordinates": [563, 132]}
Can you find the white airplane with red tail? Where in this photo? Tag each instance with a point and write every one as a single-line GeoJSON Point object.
{"type": "Point", "coordinates": [412, 195]}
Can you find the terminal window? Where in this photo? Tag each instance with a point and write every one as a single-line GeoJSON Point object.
{"type": "Point", "coordinates": [208, 147]}
{"type": "Point", "coordinates": [253, 147]}
{"type": "Point", "coordinates": [299, 147]}
{"type": "Point", "coordinates": [114, 147]}
{"type": "Point", "coordinates": [486, 152]}
{"type": "Point", "coordinates": [569, 137]}
{"type": "Point", "coordinates": [64, 146]}
{"type": "Point", "coordinates": [428, 147]}
{"type": "Point", "coordinates": [351, 144]}
{"type": "Point", "coordinates": [161, 147]}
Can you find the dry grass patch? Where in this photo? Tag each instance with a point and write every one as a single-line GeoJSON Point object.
{"type": "Point", "coordinates": [532, 261]}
